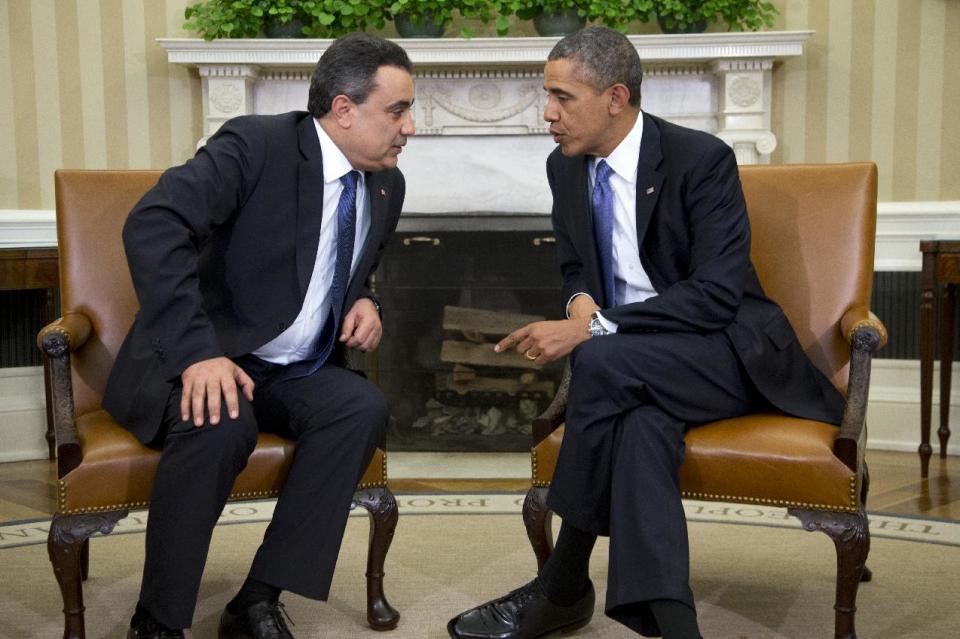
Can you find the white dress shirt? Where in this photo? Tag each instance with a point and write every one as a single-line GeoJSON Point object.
{"type": "Point", "coordinates": [631, 282]}
{"type": "Point", "coordinates": [299, 341]}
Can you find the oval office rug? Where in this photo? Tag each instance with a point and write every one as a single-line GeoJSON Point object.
{"type": "Point", "coordinates": [756, 574]}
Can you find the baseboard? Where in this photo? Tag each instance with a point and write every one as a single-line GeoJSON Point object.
{"type": "Point", "coordinates": [893, 415]}
{"type": "Point", "coordinates": [23, 416]}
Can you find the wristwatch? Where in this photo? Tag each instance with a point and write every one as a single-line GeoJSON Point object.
{"type": "Point", "coordinates": [596, 326]}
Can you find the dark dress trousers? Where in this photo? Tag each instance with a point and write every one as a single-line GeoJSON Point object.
{"type": "Point", "coordinates": [709, 345]}
{"type": "Point", "coordinates": [221, 252]}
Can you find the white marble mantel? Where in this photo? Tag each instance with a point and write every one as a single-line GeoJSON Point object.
{"type": "Point", "coordinates": [481, 141]}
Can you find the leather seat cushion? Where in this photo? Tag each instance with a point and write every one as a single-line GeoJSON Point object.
{"type": "Point", "coordinates": [117, 470]}
{"type": "Point", "coordinates": [760, 459]}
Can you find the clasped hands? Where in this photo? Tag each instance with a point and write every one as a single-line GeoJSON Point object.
{"type": "Point", "coordinates": [212, 382]}
{"type": "Point", "coordinates": [544, 342]}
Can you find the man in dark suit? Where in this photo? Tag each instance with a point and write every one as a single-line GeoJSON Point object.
{"type": "Point", "coordinates": [251, 265]}
{"type": "Point", "coordinates": [668, 327]}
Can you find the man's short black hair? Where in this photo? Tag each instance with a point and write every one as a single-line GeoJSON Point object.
{"type": "Point", "coordinates": [606, 57]}
{"type": "Point", "coordinates": [349, 67]}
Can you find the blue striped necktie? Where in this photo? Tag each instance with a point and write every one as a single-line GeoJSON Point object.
{"type": "Point", "coordinates": [603, 229]}
{"type": "Point", "coordinates": [346, 237]}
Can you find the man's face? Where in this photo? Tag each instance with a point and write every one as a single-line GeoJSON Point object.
{"type": "Point", "coordinates": [579, 117]}
{"type": "Point", "coordinates": [380, 126]}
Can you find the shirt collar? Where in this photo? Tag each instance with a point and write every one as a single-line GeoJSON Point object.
{"type": "Point", "coordinates": [335, 163]}
{"type": "Point", "coordinates": [626, 156]}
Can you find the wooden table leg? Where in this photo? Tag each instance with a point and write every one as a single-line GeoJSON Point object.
{"type": "Point", "coordinates": [927, 300]}
{"type": "Point", "coordinates": [946, 363]}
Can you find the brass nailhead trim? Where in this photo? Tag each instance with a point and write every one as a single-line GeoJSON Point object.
{"type": "Point", "coordinates": [853, 507]}
{"type": "Point", "coordinates": [63, 510]}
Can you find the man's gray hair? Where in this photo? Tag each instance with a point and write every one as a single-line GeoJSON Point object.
{"type": "Point", "coordinates": [606, 57]}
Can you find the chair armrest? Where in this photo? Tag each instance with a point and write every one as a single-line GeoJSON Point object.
{"type": "Point", "coordinates": [57, 340]}
{"type": "Point", "coordinates": [554, 414]}
{"type": "Point", "coordinates": [866, 334]}
{"type": "Point", "coordinates": [861, 318]}
{"type": "Point", "coordinates": [67, 333]}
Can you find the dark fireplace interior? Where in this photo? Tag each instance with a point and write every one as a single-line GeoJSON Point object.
{"type": "Point", "coordinates": [447, 298]}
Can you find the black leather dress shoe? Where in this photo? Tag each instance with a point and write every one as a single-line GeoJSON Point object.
{"type": "Point", "coordinates": [525, 613]}
{"type": "Point", "coordinates": [145, 627]}
{"type": "Point", "coordinates": [264, 620]}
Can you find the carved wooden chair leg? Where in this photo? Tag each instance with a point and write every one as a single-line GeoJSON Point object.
{"type": "Point", "coordinates": [65, 545]}
{"type": "Point", "coordinates": [85, 559]}
{"type": "Point", "coordinates": [538, 520]}
{"type": "Point", "coordinates": [851, 537]}
{"type": "Point", "coordinates": [864, 490]}
{"type": "Point", "coordinates": [382, 506]}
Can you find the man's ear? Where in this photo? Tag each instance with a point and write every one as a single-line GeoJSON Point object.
{"type": "Point", "coordinates": [619, 98]}
{"type": "Point", "coordinates": [342, 111]}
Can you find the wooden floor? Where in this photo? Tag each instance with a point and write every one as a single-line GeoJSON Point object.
{"type": "Point", "coordinates": [27, 489]}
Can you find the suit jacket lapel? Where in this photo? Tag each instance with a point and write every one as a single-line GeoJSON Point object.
{"type": "Point", "coordinates": [309, 203]}
{"type": "Point", "coordinates": [649, 180]}
{"type": "Point", "coordinates": [377, 197]}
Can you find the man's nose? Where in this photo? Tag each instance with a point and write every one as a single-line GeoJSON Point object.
{"type": "Point", "coordinates": [550, 113]}
{"type": "Point", "coordinates": [408, 127]}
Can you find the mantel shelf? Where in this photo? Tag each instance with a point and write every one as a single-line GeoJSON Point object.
{"type": "Point", "coordinates": [485, 52]}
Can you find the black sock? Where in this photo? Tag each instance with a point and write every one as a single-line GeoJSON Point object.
{"type": "Point", "coordinates": [676, 619]}
{"type": "Point", "coordinates": [253, 592]}
{"type": "Point", "coordinates": [565, 576]}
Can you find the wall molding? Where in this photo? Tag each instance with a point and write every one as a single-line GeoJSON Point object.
{"type": "Point", "coordinates": [28, 228]}
{"type": "Point", "coordinates": [893, 415]}
{"type": "Point", "coordinates": [900, 228]}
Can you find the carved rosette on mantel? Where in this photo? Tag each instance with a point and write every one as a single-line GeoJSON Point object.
{"type": "Point", "coordinates": [487, 93]}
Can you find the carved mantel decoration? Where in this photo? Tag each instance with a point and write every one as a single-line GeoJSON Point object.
{"type": "Point", "coordinates": [482, 142]}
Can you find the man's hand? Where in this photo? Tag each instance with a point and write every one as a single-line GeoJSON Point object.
{"type": "Point", "coordinates": [361, 327]}
{"type": "Point", "coordinates": [544, 342]}
{"type": "Point", "coordinates": [205, 382]}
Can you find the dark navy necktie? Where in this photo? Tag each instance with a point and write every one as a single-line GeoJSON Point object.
{"type": "Point", "coordinates": [603, 229]}
{"type": "Point", "coordinates": [346, 237]}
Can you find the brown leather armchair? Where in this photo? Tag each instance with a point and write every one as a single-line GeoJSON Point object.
{"type": "Point", "coordinates": [103, 470]}
{"type": "Point", "coordinates": [813, 242]}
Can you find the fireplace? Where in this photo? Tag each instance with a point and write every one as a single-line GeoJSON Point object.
{"type": "Point", "coordinates": [448, 297]}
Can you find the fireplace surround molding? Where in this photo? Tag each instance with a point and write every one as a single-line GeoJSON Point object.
{"type": "Point", "coordinates": [481, 141]}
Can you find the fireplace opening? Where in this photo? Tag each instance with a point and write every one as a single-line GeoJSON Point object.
{"type": "Point", "coordinates": [447, 298]}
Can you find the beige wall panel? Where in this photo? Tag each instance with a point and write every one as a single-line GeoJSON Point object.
{"type": "Point", "coordinates": [815, 100]}
{"type": "Point", "coordinates": [184, 94]}
{"type": "Point", "coordinates": [68, 67]}
{"type": "Point", "coordinates": [950, 140]}
{"type": "Point", "coordinates": [91, 85]}
{"type": "Point", "coordinates": [114, 83]}
{"type": "Point", "coordinates": [839, 45]}
{"type": "Point", "coordinates": [794, 74]}
{"type": "Point", "coordinates": [905, 110]}
{"type": "Point", "coordinates": [47, 107]}
{"type": "Point", "coordinates": [24, 105]}
{"type": "Point", "coordinates": [8, 138]}
{"type": "Point", "coordinates": [929, 99]}
{"type": "Point", "coordinates": [861, 80]}
{"type": "Point", "coordinates": [138, 96]}
{"type": "Point", "coordinates": [884, 94]}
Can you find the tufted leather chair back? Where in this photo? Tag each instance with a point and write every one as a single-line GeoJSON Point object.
{"type": "Point", "coordinates": [811, 223]}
